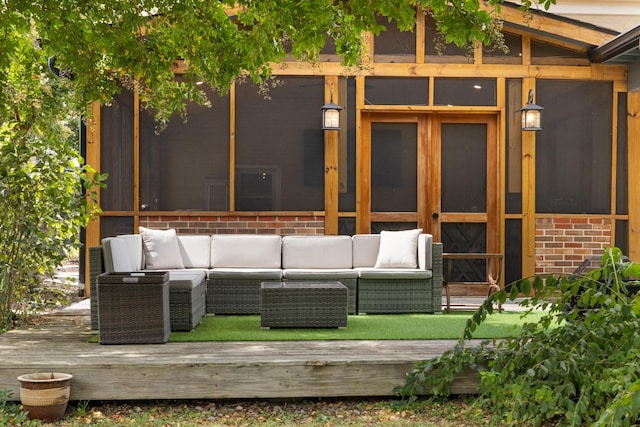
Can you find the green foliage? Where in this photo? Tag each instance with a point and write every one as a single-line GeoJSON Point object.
{"type": "Point", "coordinates": [12, 414]}
{"type": "Point", "coordinates": [42, 177]}
{"type": "Point", "coordinates": [576, 366]}
{"type": "Point", "coordinates": [102, 45]}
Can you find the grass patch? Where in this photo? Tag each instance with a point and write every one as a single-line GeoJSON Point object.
{"type": "Point", "coordinates": [361, 327]}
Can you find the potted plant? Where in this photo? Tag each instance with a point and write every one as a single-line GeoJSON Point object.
{"type": "Point", "coordinates": [45, 395]}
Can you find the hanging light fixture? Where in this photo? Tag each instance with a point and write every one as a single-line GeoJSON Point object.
{"type": "Point", "coordinates": [531, 114]}
{"type": "Point", "coordinates": [331, 115]}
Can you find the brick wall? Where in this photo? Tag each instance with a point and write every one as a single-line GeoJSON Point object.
{"type": "Point", "coordinates": [563, 243]}
{"type": "Point", "coordinates": [240, 224]}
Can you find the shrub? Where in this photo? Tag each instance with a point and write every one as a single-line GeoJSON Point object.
{"type": "Point", "coordinates": [576, 366]}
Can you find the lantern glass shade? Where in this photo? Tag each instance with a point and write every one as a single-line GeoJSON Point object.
{"type": "Point", "coordinates": [531, 114]}
{"type": "Point", "coordinates": [331, 116]}
{"type": "Point", "coordinates": [531, 119]}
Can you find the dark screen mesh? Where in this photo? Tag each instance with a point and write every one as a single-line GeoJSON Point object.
{"type": "Point", "coordinates": [186, 166]}
{"type": "Point", "coordinates": [573, 149]}
{"type": "Point", "coordinates": [280, 146]}
{"type": "Point", "coordinates": [116, 153]}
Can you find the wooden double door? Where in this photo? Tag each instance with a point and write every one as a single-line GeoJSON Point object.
{"type": "Point", "coordinates": [439, 172]}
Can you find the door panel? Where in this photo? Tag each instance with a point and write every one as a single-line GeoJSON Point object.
{"type": "Point", "coordinates": [454, 174]}
{"type": "Point", "coordinates": [463, 159]}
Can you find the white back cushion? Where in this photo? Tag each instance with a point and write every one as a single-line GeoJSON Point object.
{"type": "Point", "coordinates": [195, 250]}
{"type": "Point", "coordinates": [317, 252]}
{"type": "Point", "coordinates": [134, 247]}
{"type": "Point", "coordinates": [116, 256]}
{"type": "Point", "coordinates": [161, 250]}
{"type": "Point", "coordinates": [365, 249]}
{"type": "Point", "coordinates": [366, 246]}
{"type": "Point", "coordinates": [245, 250]}
{"type": "Point", "coordinates": [398, 249]}
{"type": "Point", "coordinates": [425, 251]}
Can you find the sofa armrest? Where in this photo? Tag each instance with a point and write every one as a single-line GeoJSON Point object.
{"type": "Point", "coordinates": [96, 268]}
{"type": "Point", "coordinates": [436, 269]}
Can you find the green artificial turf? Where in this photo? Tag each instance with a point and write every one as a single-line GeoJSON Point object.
{"type": "Point", "coordinates": [360, 327]}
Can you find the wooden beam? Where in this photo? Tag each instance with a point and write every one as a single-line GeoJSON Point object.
{"type": "Point", "coordinates": [331, 161]}
{"type": "Point", "coordinates": [92, 158]}
{"type": "Point", "coordinates": [609, 72]}
{"type": "Point", "coordinates": [633, 132]}
{"type": "Point", "coordinates": [547, 23]}
{"type": "Point", "coordinates": [528, 193]}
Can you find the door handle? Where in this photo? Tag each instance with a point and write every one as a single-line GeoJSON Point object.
{"type": "Point", "coordinates": [435, 215]}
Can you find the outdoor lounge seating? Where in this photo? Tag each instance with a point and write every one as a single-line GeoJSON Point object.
{"type": "Point", "coordinates": [391, 272]}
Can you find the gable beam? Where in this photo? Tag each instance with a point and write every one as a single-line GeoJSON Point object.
{"type": "Point", "coordinates": [543, 24]}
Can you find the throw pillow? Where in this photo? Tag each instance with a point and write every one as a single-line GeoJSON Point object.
{"type": "Point", "coordinates": [398, 249]}
{"type": "Point", "coordinates": [161, 249]}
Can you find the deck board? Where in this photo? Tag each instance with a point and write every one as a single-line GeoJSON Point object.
{"type": "Point", "coordinates": [211, 370]}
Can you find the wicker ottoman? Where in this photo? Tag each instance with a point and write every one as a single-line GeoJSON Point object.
{"type": "Point", "coordinates": [187, 299]}
{"type": "Point", "coordinates": [133, 308]}
{"type": "Point", "coordinates": [303, 305]}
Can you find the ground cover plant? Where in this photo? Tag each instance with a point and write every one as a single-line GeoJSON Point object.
{"type": "Point", "coordinates": [360, 327]}
{"type": "Point", "coordinates": [578, 365]}
{"type": "Point", "coordinates": [360, 412]}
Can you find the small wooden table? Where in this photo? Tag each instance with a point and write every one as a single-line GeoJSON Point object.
{"type": "Point", "coordinates": [493, 264]}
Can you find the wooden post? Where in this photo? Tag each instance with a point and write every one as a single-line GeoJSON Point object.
{"type": "Point", "coordinates": [633, 117]}
{"type": "Point", "coordinates": [331, 149]}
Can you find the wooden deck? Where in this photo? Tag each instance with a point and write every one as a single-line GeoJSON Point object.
{"type": "Point", "coordinates": [211, 370]}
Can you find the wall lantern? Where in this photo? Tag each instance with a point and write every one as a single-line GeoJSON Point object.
{"type": "Point", "coordinates": [331, 115]}
{"type": "Point", "coordinates": [531, 114]}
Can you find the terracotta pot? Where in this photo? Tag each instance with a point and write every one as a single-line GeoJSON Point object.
{"type": "Point", "coordinates": [45, 395]}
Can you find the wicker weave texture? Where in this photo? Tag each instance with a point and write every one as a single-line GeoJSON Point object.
{"type": "Point", "coordinates": [186, 307]}
{"type": "Point", "coordinates": [352, 289]}
{"type": "Point", "coordinates": [233, 296]}
{"type": "Point", "coordinates": [303, 305]}
{"type": "Point", "coordinates": [396, 296]}
{"type": "Point", "coordinates": [437, 277]}
{"type": "Point", "coordinates": [96, 268]}
{"type": "Point", "coordinates": [133, 313]}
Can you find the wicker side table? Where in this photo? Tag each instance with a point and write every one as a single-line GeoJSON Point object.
{"type": "Point", "coordinates": [303, 305]}
{"type": "Point", "coordinates": [133, 308]}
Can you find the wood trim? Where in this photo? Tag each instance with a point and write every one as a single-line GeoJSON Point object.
{"type": "Point", "coordinates": [92, 158]}
{"type": "Point", "coordinates": [136, 159]}
{"type": "Point", "coordinates": [544, 23]}
{"type": "Point", "coordinates": [394, 217]}
{"type": "Point", "coordinates": [232, 148]}
{"type": "Point", "coordinates": [502, 155]}
{"type": "Point", "coordinates": [611, 72]}
{"type": "Point", "coordinates": [528, 193]}
{"type": "Point", "coordinates": [633, 123]}
{"type": "Point", "coordinates": [614, 159]}
{"type": "Point", "coordinates": [526, 49]}
{"type": "Point", "coordinates": [423, 173]}
{"type": "Point", "coordinates": [427, 109]}
{"type": "Point", "coordinates": [331, 162]}
{"type": "Point", "coordinates": [363, 156]}
{"type": "Point", "coordinates": [434, 173]}
{"type": "Point", "coordinates": [361, 129]}
{"type": "Point", "coordinates": [420, 35]}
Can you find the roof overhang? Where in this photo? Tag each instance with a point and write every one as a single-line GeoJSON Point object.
{"type": "Point", "coordinates": [625, 50]}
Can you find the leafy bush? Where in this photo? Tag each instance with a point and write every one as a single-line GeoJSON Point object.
{"type": "Point", "coordinates": [578, 365]}
{"type": "Point", "coordinates": [45, 190]}
{"type": "Point", "coordinates": [12, 414]}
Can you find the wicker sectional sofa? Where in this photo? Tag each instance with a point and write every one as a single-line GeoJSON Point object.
{"type": "Point", "coordinates": [391, 272]}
